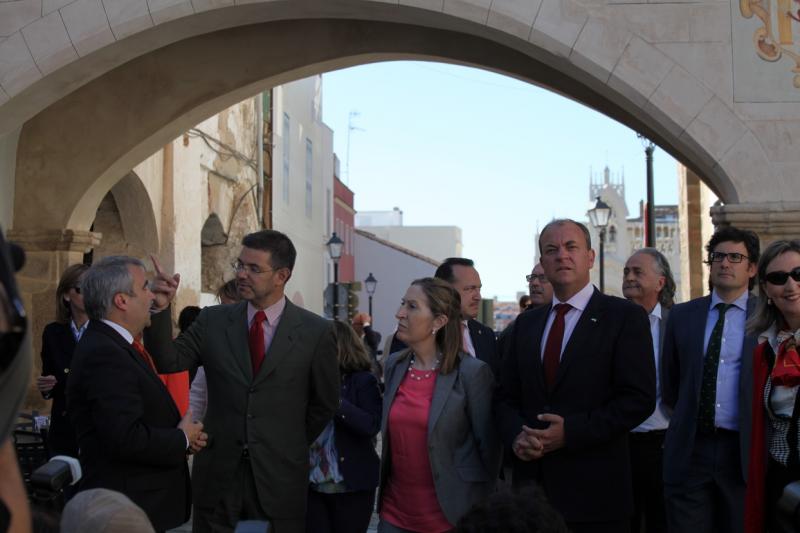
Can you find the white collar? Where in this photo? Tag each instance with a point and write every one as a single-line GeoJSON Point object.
{"type": "Point", "coordinates": [579, 300]}
{"type": "Point", "coordinates": [119, 329]}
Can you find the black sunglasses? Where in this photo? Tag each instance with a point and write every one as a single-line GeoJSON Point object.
{"type": "Point", "coordinates": [780, 277]}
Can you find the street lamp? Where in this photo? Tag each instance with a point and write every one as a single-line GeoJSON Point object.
{"type": "Point", "coordinates": [334, 245]}
{"type": "Point", "coordinates": [650, 227]}
{"type": "Point", "coordinates": [370, 283]}
{"type": "Point", "coordinates": [599, 215]}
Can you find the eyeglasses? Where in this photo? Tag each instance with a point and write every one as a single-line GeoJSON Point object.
{"type": "Point", "coordinates": [533, 277]}
{"type": "Point", "coordinates": [238, 266]}
{"type": "Point", "coordinates": [733, 257]}
{"type": "Point", "coordinates": [779, 277]}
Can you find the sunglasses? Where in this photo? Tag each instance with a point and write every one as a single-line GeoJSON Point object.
{"type": "Point", "coordinates": [779, 277]}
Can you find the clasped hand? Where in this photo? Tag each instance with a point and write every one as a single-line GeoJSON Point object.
{"type": "Point", "coordinates": [533, 444]}
{"type": "Point", "coordinates": [193, 430]}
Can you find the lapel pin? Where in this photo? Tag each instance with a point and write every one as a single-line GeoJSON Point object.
{"type": "Point", "coordinates": [593, 319]}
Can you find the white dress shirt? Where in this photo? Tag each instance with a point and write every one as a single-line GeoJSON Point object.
{"type": "Point", "coordinates": [579, 301]}
{"type": "Point", "coordinates": [658, 420]}
{"type": "Point", "coordinates": [468, 346]}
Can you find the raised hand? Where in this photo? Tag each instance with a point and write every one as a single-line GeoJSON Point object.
{"type": "Point", "coordinates": [163, 286]}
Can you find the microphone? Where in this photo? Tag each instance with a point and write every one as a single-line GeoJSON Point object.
{"type": "Point", "coordinates": [56, 474]}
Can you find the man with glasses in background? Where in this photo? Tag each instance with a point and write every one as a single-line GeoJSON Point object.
{"type": "Point", "coordinates": [273, 385]}
{"type": "Point", "coordinates": [538, 287]}
{"type": "Point", "coordinates": [707, 384]}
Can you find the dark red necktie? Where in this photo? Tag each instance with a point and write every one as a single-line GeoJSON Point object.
{"type": "Point", "coordinates": [552, 348]}
{"type": "Point", "coordinates": [257, 347]}
{"type": "Point", "coordinates": [148, 359]}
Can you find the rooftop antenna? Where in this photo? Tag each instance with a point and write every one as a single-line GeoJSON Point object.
{"type": "Point", "coordinates": [350, 128]}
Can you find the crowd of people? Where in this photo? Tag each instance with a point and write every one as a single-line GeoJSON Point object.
{"type": "Point", "coordinates": [589, 413]}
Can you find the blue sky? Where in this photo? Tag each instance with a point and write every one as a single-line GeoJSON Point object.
{"type": "Point", "coordinates": [452, 145]}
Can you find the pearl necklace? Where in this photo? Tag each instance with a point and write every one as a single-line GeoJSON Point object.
{"type": "Point", "coordinates": [427, 373]}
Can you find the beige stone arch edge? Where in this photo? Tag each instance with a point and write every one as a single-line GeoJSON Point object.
{"type": "Point", "coordinates": [125, 114]}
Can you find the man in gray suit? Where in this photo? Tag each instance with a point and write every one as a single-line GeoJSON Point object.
{"type": "Point", "coordinates": [707, 382]}
{"type": "Point", "coordinates": [647, 280]}
{"type": "Point", "coordinates": [273, 385]}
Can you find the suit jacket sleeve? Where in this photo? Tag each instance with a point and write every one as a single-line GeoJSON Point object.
{"type": "Point", "coordinates": [507, 401]}
{"type": "Point", "coordinates": [670, 365]}
{"type": "Point", "coordinates": [323, 390]}
{"type": "Point", "coordinates": [633, 390]}
{"type": "Point", "coordinates": [364, 415]}
{"type": "Point", "coordinates": [480, 390]}
{"type": "Point", "coordinates": [117, 410]}
{"type": "Point", "coordinates": [181, 354]}
{"type": "Point", "coordinates": [48, 360]}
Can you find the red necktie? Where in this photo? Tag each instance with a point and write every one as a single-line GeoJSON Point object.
{"type": "Point", "coordinates": [552, 348]}
{"type": "Point", "coordinates": [257, 347]}
{"type": "Point", "coordinates": [148, 359]}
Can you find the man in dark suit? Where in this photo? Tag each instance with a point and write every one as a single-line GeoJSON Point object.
{"type": "Point", "coordinates": [273, 385]}
{"type": "Point", "coordinates": [578, 377]}
{"type": "Point", "coordinates": [707, 382]}
{"type": "Point", "coordinates": [647, 281]}
{"type": "Point", "coordinates": [130, 435]}
{"type": "Point", "coordinates": [478, 340]}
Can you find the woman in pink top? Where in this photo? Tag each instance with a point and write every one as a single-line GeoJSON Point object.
{"type": "Point", "coordinates": [440, 451]}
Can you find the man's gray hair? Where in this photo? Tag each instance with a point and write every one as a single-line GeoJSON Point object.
{"type": "Point", "coordinates": [105, 279]}
{"type": "Point", "coordinates": [666, 296]}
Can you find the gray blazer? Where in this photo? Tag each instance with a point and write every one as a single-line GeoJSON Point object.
{"type": "Point", "coordinates": [463, 445]}
{"type": "Point", "coordinates": [682, 377]}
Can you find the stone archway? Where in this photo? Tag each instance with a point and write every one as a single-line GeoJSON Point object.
{"type": "Point", "coordinates": [142, 80]}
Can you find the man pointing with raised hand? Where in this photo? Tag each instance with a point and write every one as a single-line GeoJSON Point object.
{"type": "Point", "coordinates": [273, 385]}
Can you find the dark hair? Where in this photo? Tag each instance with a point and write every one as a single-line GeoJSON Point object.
{"type": "Point", "coordinates": [666, 297]}
{"type": "Point", "coordinates": [350, 351]}
{"type": "Point", "coordinates": [228, 291]}
{"type": "Point", "coordinates": [445, 270]}
{"type": "Point", "coordinates": [524, 300]}
{"type": "Point", "coordinates": [187, 315]}
{"type": "Point", "coordinates": [443, 299]}
{"type": "Point", "coordinates": [525, 511]}
{"type": "Point", "coordinates": [69, 278]}
{"type": "Point", "coordinates": [733, 234]}
{"type": "Point", "coordinates": [563, 222]}
{"type": "Point", "coordinates": [281, 250]}
{"type": "Point", "coordinates": [765, 313]}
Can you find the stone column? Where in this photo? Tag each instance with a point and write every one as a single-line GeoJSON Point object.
{"type": "Point", "coordinates": [47, 254]}
{"type": "Point", "coordinates": [770, 220]}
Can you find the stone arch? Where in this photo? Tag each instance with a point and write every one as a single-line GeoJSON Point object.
{"type": "Point", "coordinates": [135, 94]}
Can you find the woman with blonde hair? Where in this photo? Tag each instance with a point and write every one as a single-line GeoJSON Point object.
{"type": "Point", "coordinates": [344, 464]}
{"type": "Point", "coordinates": [440, 451]}
{"type": "Point", "coordinates": [59, 339]}
{"type": "Point", "coordinates": [774, 448]}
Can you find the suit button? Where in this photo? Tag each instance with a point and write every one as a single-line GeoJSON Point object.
{"type": "Point", "coordinates": [249, 415]}
{"type": "Point", "coordinates": [66, 370]}
{"type": "Point", "coordinates": [252, 390]}
{"type": "Point", "coordinates": [341, 459]}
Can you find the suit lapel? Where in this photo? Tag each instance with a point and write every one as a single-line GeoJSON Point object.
{"type": "Point", "coordinates": [662, 328]}
{"type": "Point", "coordinates": [441, 391]}
{"type": "Point", "coordinates": [139, 361]}
{"type": "Point", "coordinates": [283, 339]}
{"type": "Point", "coordinates": [532, 338]}
{"type": "Point", "coordinates": [477, 337]}
{"type": "Point", "coordinates": [395, 375]}
{"type": "Point", "coordinates": [237, 334]}
{"type": "Point", "coordinates": [589, 320]}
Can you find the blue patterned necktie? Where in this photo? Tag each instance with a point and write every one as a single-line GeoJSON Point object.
{"type": "Point", "coordinates": [708, 390]}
